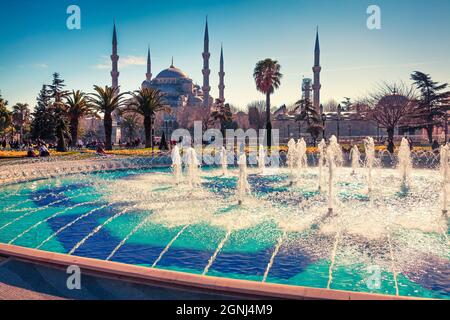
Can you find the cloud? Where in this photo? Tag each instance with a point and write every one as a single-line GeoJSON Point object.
{"type": "Point", "coordinates": [40, 66]}
{"type": "Point", "coordinates": [124, 62]}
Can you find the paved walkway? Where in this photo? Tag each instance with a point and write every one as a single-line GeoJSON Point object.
{"type": "Point", "coordinates": [8, 292]}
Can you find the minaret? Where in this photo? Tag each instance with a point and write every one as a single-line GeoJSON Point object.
{"type": "Point", "coordinates": [206, 72]}
{"type": "Point", "coordinates": [149, 66]}
{"type": "Point", "coordinates": [221, 78]}
{"type": "Point", "coordinates": [316, 70]}
{"type": "Point", "coordinates": [115, 59]}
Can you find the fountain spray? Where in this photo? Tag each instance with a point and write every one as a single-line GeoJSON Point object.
{"type": "Point", "coordinates": [404, 161]}
{"type": "Point", "coordinates": [176, 164]}
{"type": "Point", "coordinates": [243, 187]}
{"type": "Point", "coordinates": [224, 161]}
{"type": "Point", "coordinates": [291, 159]}
{"type": "Point", "coordinates": [302, 160]}
{"type": "Point", "coordinates": [334, 158]}
{"type": "Point", "coordinates": [445, 178]}
{"type": "Point", "coordinates": [369, 146]}
{"type": "Point", "coordinates": [355, 156]}
{"type": "Point", "coordinates": [261, 159]}
{"type": "Point", "coordinates": [193, 167]}
{"type": "Point", "coordinates": [322, 147]}
{"type": "Point", "coordinates": [331, 166]}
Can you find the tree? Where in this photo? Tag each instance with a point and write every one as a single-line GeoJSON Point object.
{"type": "Point", "coordinates": [267, 76]}
{"type": "Point", "coordinates": [163, 143]}
{"type": "Point", "coordinates": [222, 113]}
{"type": "Point", "coordinates": [306, 112]}
{"type": "Point", "coordinates": [43, 122]}
{"type": "Point", "coordinates": [391, 106]}
{"type": "Point", "coordinates": [331, 106]}
{"type": "Point", "coordinates": [347, 104]}
{"type": "Point", "coordinates": [21, 117]}
{"type": "Point", "coordinates": [130, 125]}
{"type": "Point", "coordinates": [78, 105]}
{"type": "Point", "coordinates": [432, 103]}
{"type": "Point", "coordinates": [59, 108]}
{"type": "Point", "coordinates": [147, 102]}
{"type": "Point", "coordinates": [106, 100]}
{"type": "Point", "coordinates": [5, 115]}
{"type": "Point", "coordinates": [256, 114]}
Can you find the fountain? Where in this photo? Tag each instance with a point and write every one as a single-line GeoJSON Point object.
{"type": "Point", "coordinates": [291, 156]}
{"type": "Point", "coordinates": [243, 187]}
{"type": "Point", "coordinates": [176, 164]}
{"type": "Point", "coordinates": [369, 146]}
{"type": "Point", "coordinates": [193, 172]}
{"type": "Point", "coordinates": [322, 147]}
{"type": "Point", "coordinates": [355, 156]}
{"type": "Point", "coordinates": [331, 163]}
{"type": "Point", "coordinates": [302, 160]}
{"type": "Point", "coordinates": [224, 161]}
{"type": "Point", "coordinates": [445, 178]}
{"type": "Point", "coordinates": [261, 159]}
{"type": "Point", "coordinates": [128, 211]}
{"type": "Point", "coordinates": [404, 162]}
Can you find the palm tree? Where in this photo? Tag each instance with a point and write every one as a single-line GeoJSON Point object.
{"type": "Point", "coordinates": [106, 100]}
{"type": "Point", "coordinates": [268, 78]}
{"type": "Point", "coordinates": [78, 106]}
{"type": "Point", "coordinates": [147, 102]}
{"type": "Point", "coordinates": [21, 115]}
{"type": "Point", "coordinates": [130, 124]}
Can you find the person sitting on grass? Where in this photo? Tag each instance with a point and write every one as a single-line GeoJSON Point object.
{"type": "Point", "coordinates": [100, 150]}
{"type": "Point", "coordinates": [43, 151]}
{"type": "Point", "coordinates": [30, 153]}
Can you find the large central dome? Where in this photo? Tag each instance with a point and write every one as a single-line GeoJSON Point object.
{"type": "Point", "coordinates": [172, 73]}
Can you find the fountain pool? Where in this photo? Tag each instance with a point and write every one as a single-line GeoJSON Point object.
{"type": "Point", "coordinates": [393, 240]}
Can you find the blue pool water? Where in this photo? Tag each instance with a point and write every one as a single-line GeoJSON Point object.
{"type": "Point", "coordinates": [109, 215]}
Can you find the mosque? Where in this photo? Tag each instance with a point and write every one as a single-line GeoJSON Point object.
{"type": "Point", "coordinates": [188, 101]}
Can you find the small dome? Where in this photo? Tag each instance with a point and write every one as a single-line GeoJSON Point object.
{"type": "Point", "coordinates": [146, 84]}
{"type": "Point", "coordinates": [171, 72]}
{"type": "Point", "coordinates": [393, 100]}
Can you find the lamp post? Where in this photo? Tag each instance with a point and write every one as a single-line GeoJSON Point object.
{"type": "Point", "coordinates": [338, 119]}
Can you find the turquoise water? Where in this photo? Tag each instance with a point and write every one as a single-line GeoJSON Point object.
{"type": "Point", "coordinates": [61, 215]}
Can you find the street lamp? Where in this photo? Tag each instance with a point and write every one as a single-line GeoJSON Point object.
{"type": "Point", "coordinates": [339, 112]}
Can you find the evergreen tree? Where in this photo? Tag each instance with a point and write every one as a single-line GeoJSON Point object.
{"type": "Point", "coordinates": [432, 103]}
{"type": "Point", "coordinates": [59, 108]}
{"type": "Point", "coordinates": [5, 115]}
{"type": "Point", "coordinates": [43, 123]}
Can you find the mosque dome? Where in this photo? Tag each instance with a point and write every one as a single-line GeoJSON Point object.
{"type": "Point", "coordinates": [172, 73]}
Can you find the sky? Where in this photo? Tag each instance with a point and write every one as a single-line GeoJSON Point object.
{"type": "Point", "coordinates": [35, 42]}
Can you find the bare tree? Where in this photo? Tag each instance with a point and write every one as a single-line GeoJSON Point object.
{"type": "Point", "coordinates": [256, 114]}
{"type": "Point", "coordinates": [390, 106]}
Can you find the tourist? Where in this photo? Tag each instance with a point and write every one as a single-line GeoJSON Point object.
{"type": "Point", "coordinates": [100, 150]}
{"type": "Point", "coordinates": [43, 151]}
{"type": "Point", "coordinates": [435, 146]}
{"type": "Point", "coordinates": [30, 152]}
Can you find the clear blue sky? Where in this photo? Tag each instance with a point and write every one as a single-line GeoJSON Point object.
{"type": "Point", "coordinates": [35, 43]}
